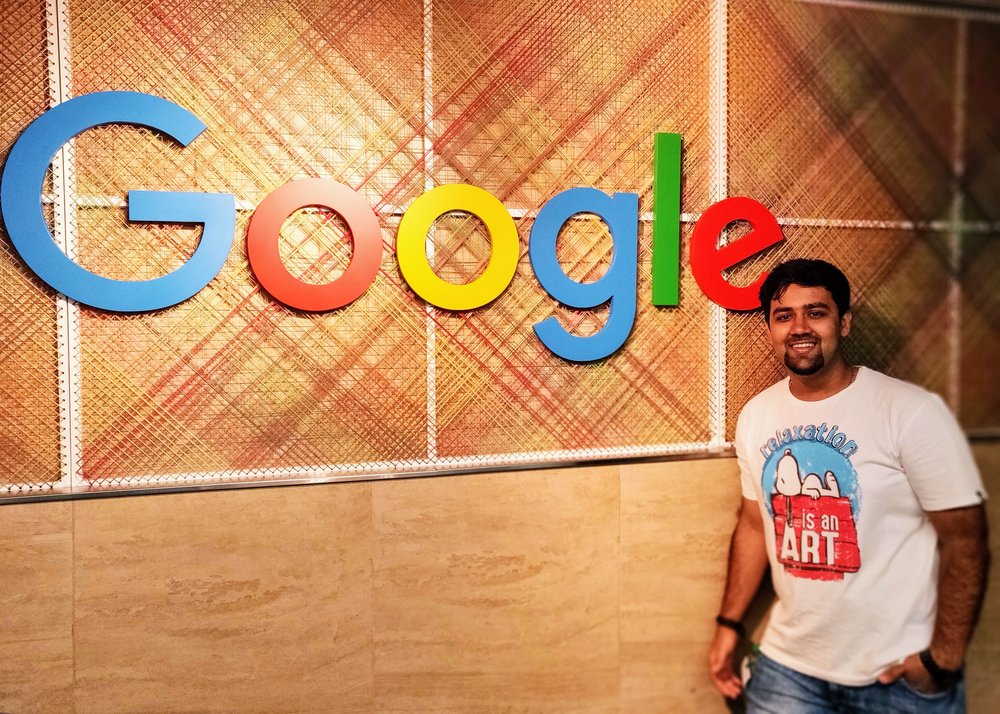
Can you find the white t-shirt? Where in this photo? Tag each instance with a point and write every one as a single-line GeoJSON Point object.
{"type": "Point", "coordinates": [856, 571]}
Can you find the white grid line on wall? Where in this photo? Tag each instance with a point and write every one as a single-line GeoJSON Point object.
{"type": "Point", "coordinates": [718, 97]}
{"type": "Point", "coordinates": [517, 213]}
{"type": "Point", "coordinates": [430, 319]}
{"type": "Point", "coordinates": [954, 235]}
{"type": "Point", "coordinates": [65, 228]}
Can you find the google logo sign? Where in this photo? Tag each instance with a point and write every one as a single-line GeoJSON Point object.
{"type": "Point", "coordinates": [29, 158]}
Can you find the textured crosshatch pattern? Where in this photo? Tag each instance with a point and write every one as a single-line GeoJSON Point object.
{"type": "Point", "coordinates": [29, 387]}
{"type": "Point", "coordinates": [850, 124]}
{"type": "Point", "coordinates": [980, 338]}
{"type": "Point", "coordinates": [498, 385]}
{"type": "Point", "coordinates": [287, 90]}
{"type": "Point", "coordinates": [982, 150]}
{"type": "Point", "coordinates": [536, 96]}
{"type": "Point", "coordinates": [526, 104]}
{"type": "Point", "coordinates": [841, 113]}
{"type": "Point", "coordinates": [231, 380]}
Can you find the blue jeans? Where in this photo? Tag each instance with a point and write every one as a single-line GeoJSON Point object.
{"type": "Point", "coordinates": [776, 689]}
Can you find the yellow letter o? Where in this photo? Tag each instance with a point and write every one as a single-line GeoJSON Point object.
{"type": "Point", "coordinates": [411, 247]}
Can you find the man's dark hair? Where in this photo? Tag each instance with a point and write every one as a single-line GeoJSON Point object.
{"type": "Point", "coordinates": [809, 273]}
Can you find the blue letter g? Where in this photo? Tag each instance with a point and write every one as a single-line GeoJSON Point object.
{"type": "Point", "coordinates": [21, 203]}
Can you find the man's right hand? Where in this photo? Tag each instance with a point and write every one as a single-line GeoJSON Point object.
{"type": "Point", "coordinates": [720, 663]}
{"type": "Point", "coordinates": [746, 568]}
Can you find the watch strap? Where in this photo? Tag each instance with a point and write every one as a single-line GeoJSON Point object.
{"type": "Point", "coordinates": [944, 678]}
{"type": "Point", "coordinates": [734, 625]}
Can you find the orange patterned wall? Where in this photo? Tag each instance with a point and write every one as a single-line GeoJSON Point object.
{"type": "Point", "coordinates": [870, 133]}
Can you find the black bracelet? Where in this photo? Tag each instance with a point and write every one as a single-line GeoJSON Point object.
{"type": "Point", "coordinates": [944, 678]}
{"type": "Point", "coordinates": [734, 625]}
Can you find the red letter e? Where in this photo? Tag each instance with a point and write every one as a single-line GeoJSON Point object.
{"type": "Point", "coordinates": [708, 259]}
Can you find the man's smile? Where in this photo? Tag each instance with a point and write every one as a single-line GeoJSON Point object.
{"type": "Point", "coordinates": [803, 344]}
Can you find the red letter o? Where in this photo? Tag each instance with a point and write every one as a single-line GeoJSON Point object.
{"type": "Point", "coordinates": [265, 229]}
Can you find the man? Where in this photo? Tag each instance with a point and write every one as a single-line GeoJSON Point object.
{"type": "Point", "coordinates": [861, 493]}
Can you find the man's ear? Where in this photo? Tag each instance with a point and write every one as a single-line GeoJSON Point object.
{"type": "Point", "coordinates": [845, 324]}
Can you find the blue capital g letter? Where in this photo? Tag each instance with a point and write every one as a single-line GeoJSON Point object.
{"type": "Point", "coordinates": [21, 203]}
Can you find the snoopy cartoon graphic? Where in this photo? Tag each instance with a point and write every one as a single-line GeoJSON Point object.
{"type": "Point", "coordinates": [788, 482]}
{"type": "Point", "coordinates": [813, 488]}
{"type": "Point", "coordinates": [814, 525]}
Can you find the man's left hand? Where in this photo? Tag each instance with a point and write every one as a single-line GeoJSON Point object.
{"type": "Point", "coordinates": [913, 671]}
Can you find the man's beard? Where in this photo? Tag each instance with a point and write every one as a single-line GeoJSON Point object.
{"type": "Point", "coordinates": [804, 370]}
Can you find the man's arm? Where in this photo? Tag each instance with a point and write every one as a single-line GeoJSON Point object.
{"type": "Point", "coordinates": [963, 543]}
{"type": "Point", "coordinates": [747, 565]}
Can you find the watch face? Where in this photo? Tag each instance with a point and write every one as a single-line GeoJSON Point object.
{"type": "Point", "coordinates": [948, 678]}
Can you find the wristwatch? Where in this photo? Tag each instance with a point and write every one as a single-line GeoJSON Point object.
{"type": "Point", "coordinates": [943, 678]}
{"type": "Point", "coordinates": [734, 625]}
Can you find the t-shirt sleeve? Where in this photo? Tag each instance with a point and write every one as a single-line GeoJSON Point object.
{"type": "Point", "coordinates": [746, 477]}
{"type": "Point", "coordinates": [937, 460]}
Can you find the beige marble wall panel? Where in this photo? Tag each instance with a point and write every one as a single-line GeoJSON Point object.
{"type": "Point", "coordinates": [36, 608]}
{"type": "Point", "coordinates": [676, 521]}
{"type": "Point", "coordinates": [488, 593]}
{"type": "Point", "coordinates": [498, 592]}
{"type": "Point", "coordinates": [239, 601]}
{"type": "Point", "coordinates": [984, 652]}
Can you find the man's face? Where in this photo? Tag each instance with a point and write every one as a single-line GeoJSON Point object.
{"type": "Point", "coordinates": [805, 329]}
